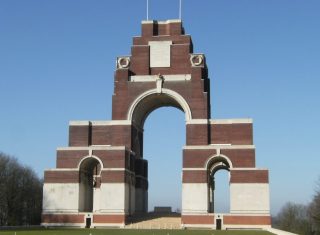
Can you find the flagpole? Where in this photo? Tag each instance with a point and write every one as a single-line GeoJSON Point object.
{"type": "Point", "coordinates": [180, 6]}
{"type": "Point", "coordinates": [147, 9]}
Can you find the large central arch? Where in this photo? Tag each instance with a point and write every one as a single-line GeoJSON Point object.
{"type": "Point", "coordinates": [138, 112]}
{"type": "Point", "coordinates": [163, 139]}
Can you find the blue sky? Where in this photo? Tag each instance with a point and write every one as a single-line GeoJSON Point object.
{"type": "Point", "coordinates": [57, 60]}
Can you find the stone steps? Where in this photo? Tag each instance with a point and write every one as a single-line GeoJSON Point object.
{"type": "Point", "coordinates": [153, 221]}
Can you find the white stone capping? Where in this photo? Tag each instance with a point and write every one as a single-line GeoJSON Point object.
{"type": "Point", "coordinates": [194, 212]}
{"type": "Point", "coordinates": [116, 169]}
{"type": "Point", "coordinates": [169, 21]}
{"type": "Point", "coordinates": [250, 212]}
{"type": "Point", "coordinates": [219, 147]}
{"type": "Point", "coordinates": [197, 121]}
{"type": "Point", "coordinates": [194, 169]}
{"type": "Point", "coordinates": [246, 214]}
{"type": "Point", "coordinates": [147, 22]}
{"type": "Point", "coordinates": [93, 147]}
{"type": "Point", "coordinates": [100, 123]}
{"type": "Point", "coordinates": [111, 123]}
{"type": "Point", "coordinates": [79, 123]}
{"type": "Point", "coordinates": [153, 78]}
{"type": "Point", "coordinates": [110, 212]}
{"type": "Point", "coordinates": [61, 169]}
{"type": "Point", "coordinates": [231, 121]}
{"type": "Point", "coordinates": [161, 22]}
{"type": "Point", "coordinates": [249, 169]}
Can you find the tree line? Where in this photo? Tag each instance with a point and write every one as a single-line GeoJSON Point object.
{"type": "Point", "coordinates": [299, 218]}
{"type": "Point", "coordinates": [20, 193]}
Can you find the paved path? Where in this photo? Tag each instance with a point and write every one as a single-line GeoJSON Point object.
{"type": "Point", "coordinates": [279, 232]}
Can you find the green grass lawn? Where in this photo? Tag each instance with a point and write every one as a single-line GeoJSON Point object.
{"type": "Point", "coordinates": [127, 232]}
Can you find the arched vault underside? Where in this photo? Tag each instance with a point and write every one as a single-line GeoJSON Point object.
{"type": "Point", "coordinates": [152, 100]}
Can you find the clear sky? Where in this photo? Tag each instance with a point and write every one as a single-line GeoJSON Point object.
{"type": "Point", "coordinates": [57, 60]}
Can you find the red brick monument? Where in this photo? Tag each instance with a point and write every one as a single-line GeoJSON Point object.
{"type": "Point", "coordinates": [101, 178]}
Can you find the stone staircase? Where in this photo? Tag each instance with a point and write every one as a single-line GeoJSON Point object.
{"type": "Point", "coordinates": [156, 221]}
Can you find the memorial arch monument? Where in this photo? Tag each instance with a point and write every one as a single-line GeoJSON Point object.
{"type": "Point", "coordinates": [101, 178]}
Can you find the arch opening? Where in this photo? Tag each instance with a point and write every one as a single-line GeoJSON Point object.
{"type": "Point", "coordinates": [139, 111]}
{"type": "Point", "coordinates": [218, 184]}
{"type": "Point", "coordinates": [89, 179]}
{"type": "Point", "coordinates": [146, 193]}
{"type": "Point", "coordinates": [162, 149]}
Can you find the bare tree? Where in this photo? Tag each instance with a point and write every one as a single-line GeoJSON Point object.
{"type": "Point", "coordinates": [20, 193]}
{"type": "Point", "coordinates": [293, 218]}
{"type": "Point", "coordinates": [314, 210]}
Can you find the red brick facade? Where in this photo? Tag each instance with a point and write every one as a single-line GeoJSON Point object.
{"type": "Point", "coordinates": [246, 220]}
{"type": "Point", "coordinates": [116, 147]}
{"type": "Point", "coordinates": [113, 219]}
{"type": "Point", "coordinates": [197, 219]}
{"type": "Point", "coordinates": [61, 176]}
{"type": "Point", "coordinates": [63, 218]}
{"type": "Point", "coordinates": [249, 176]}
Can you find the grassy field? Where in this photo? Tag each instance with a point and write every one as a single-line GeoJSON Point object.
{"type": "Point", "coordinates": [127, 232]}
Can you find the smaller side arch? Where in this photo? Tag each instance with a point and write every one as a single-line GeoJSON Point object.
{"type": "Point", "coordinates": [213, 164]}
{"type": "Point", "coordinates": [90, 168]}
